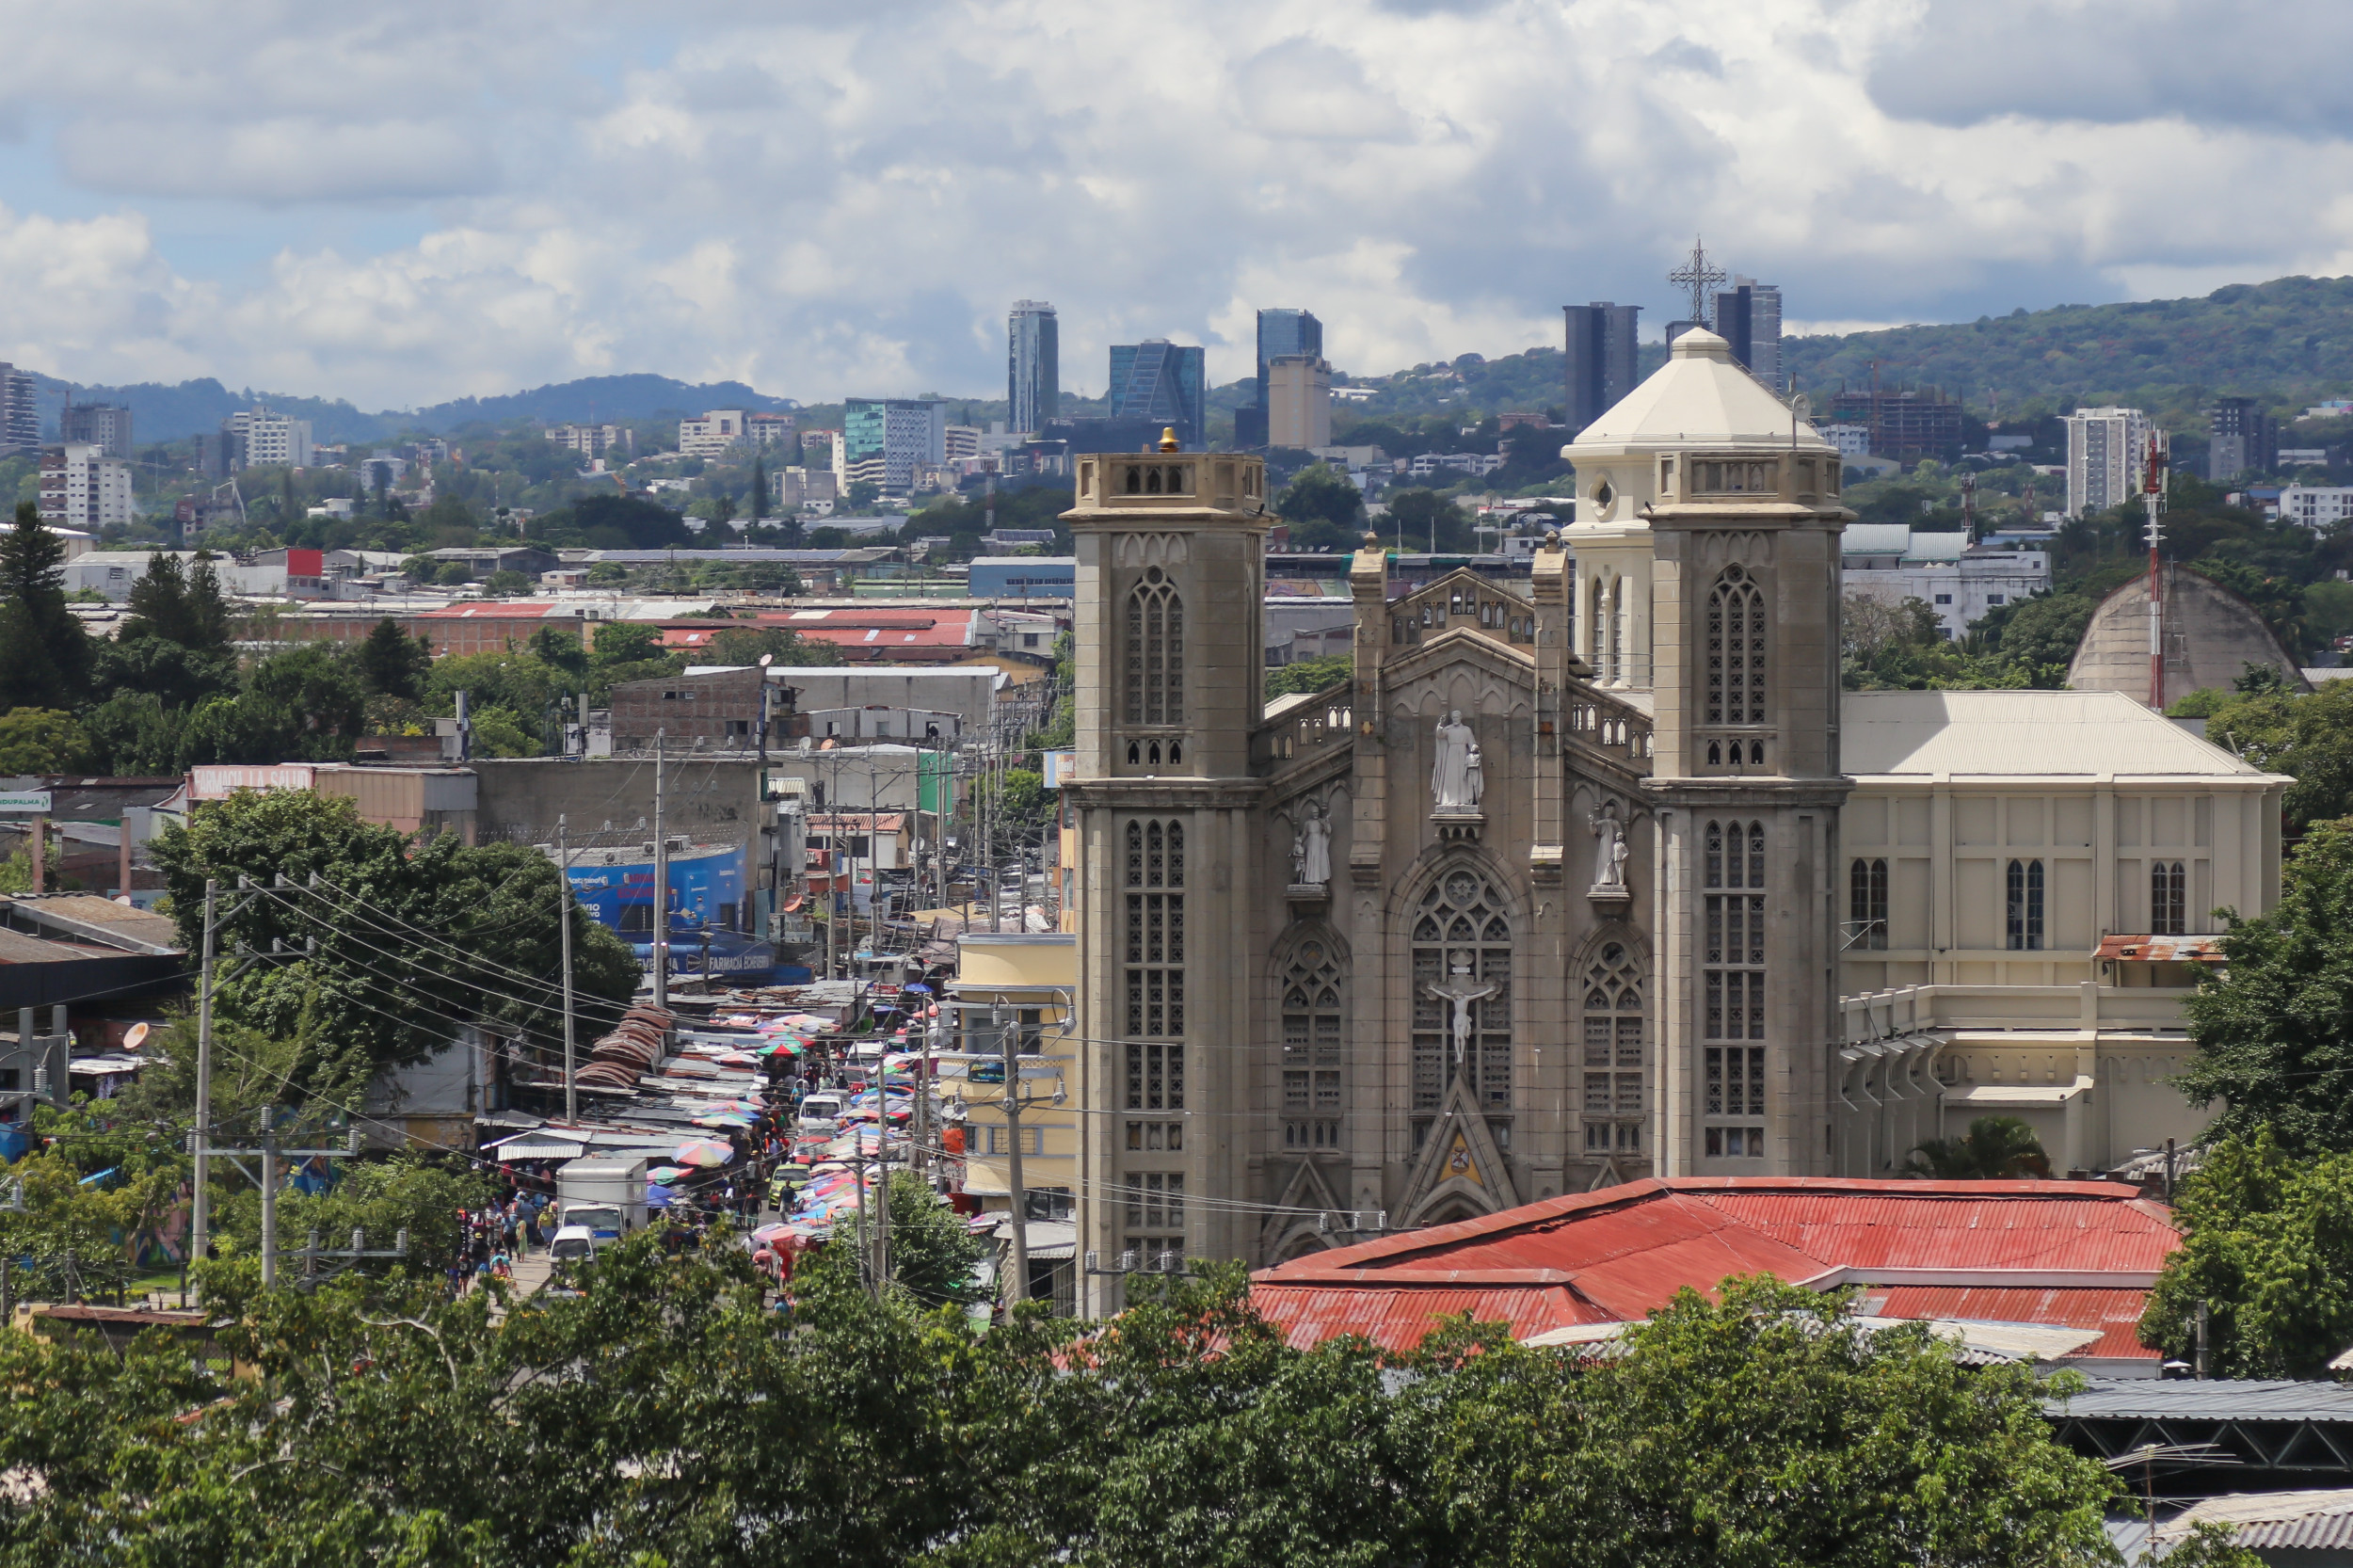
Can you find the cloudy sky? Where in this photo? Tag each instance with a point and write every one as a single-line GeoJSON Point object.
{"type": "Point", "coordinates": [401, 203]}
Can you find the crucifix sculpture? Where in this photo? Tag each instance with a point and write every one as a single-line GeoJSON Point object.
{"type": "Point", "coordinates": [1698, 275]}
{"type": "Point", "coordinates": [1458, 989]}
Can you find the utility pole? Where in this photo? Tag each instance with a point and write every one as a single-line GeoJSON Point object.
{"type": "Point", "coordinates": [2153, 501]}
{"type": "Point", "coordinates": [201, 1204]}
{"type": "Point", "coordinates": [660, 884]}
{"type": "Point", "coordinates": [1009, 1042]}
{"type": "Point", "coordinates": [271, 1152]}
{"type": "Point", "coordinates": [564, 910]}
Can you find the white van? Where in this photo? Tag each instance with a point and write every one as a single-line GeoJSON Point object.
{"type": "Point", "coordinates": [574, 1244]}
{"type": "Point", "coordinates": [820, 1112]}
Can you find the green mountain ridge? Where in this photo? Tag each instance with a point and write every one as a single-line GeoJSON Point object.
{"type": "Point", "coordinates": [2288, 341]}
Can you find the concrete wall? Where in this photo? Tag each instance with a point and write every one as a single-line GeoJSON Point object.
{"type": "Point", "coordinates": [2211, 636]}
{"type": "Point", "coordinates": [969, 692]}
{"type": "Point", "coordinates": [717, 797]}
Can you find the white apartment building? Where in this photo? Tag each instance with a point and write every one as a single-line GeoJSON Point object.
{"type": "Point", "coordinates": [2316, 505]}
{"type": "Point", "coordinates": [2108, 458]}
{"type": "Point", "coordinates": [82, 488]}
{"type": "Point", "coordinates": [768, 429]}
{"type": "Point", "coordinates": [961, 442]}
{"type": "Point", "coordinates": [1893, 562]}
{"type": "Point", "coordinates": [271, 440]}
{"type": "Point", "coordinates": [592, 441]}
{"type": "Point", "coordinates": [712, 434]}
{"type": "Point", "coordinates": [1852, 441]}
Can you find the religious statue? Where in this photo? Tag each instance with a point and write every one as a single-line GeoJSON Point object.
{"type": "Point", "coordinates": [1452, 773]}
{"type": "Point", "coordinates": [1458, 989]}
{"type": "Point", "coordinates": [1311, 849]}
{"type": "Point", "coordinates": [1610, 851]}
{"type": "Point", "coordinates": [1476, 772]}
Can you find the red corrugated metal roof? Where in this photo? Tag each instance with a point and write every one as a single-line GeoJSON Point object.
{"type": "Point", "coordinates": [1625, 1251]}
{"type": "Point", "coordinates": [2116, 1313]}
{"type": "Point", "coordinates": [1398, 1319]}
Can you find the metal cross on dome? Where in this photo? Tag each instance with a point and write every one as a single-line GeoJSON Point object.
{"type": "Point", "coordinates": [1699, 276]}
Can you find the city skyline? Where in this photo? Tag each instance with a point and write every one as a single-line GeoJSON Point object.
{"type": "Point", "coordinates": [341, 215]}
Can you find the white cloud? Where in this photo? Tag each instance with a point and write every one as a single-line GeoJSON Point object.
{"type": "Point", "coordinates": [831, 199]}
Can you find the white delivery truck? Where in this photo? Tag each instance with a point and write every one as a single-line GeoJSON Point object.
{"type": "Point", "coordinates": [607, 1197]}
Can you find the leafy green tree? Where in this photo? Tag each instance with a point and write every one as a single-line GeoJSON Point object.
{"type": "Point", "coordinates": [1665, 1452]}
{"type": "Point", "coordinates": [933, 1251]}
{"type": "Point", "coordinates": [2308, 736]}
{"type": "Point", "coordinates": [41, 739]}
{"type": "Point", "coordinates": [136, 735]}
{"type": "Point", "coordinates": [506, 584]}
{"type": "Point", "coordinates": [1323, 509]}
{"type": "Point", "coordinates": [1995, 1148]}
{"type": "Point", "coordinates": [414, 938]}
{"type": "Point", "coordinates": [1423, 518]}
{"type": "Point", "coordinates": [2268, 1251]}
{"type": "Point", "coordinates": [302, 704]}
{"type": "Point", "coordinates": [1308, 675]}
{"type": "Point", "coordinates": [46, 655]}
{"type": "Point", "coordinates": [522, 683]}
{"type": "Point", "coordinates": [391, 663]}
{"type": "Point", "coordinates": [2274, 1032]}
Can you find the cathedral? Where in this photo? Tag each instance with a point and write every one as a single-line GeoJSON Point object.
{"type": "Point", "coordinates": [1548, 894]}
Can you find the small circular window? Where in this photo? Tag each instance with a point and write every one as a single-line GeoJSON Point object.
{"type": "Point", "coordinates": [1152, 574]}
{"type": "Point", "coordinates": [1603, 494]}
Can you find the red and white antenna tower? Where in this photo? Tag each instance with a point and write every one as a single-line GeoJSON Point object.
{"type": "Point", "coordinates": [2153, 501]}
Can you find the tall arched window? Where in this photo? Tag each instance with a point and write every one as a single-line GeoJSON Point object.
{"type": "Point", "coordinates": [1154, 969]}
{"type": "Point", "coordinates": [2023, 923]}
{"type": "Point", "coordinates": [1736, 649]}
{"type": "Point", "coordinates": [1156, 651]}
{"type": "Point", "coordinates": [1614, 1057]}
{"type": "Point", "coordinates": [1312, 986]}
{"type": "Point", "coordinates": [1733, 979]}
{"type": "Point", "coordinates": [1462, 967]}
{"type": "Point", "coordinates": [1866, 903]}
{"type": "Point", "coordinates": [2168, 899]}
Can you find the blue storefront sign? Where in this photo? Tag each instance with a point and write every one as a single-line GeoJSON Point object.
{"type": "Point", "coordinates": [707, 890]}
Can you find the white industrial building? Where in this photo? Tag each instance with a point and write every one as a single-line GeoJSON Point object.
{"type": "Point", "coordinates": [2316, 505]}
{"type": "Point", "coordinates": [1893, 562]}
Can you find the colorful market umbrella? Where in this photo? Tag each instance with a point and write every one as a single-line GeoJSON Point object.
{"type": "Point", "coordinates": [702, 1153]}
{"type": "Point", "coordinates": [663, 1174]}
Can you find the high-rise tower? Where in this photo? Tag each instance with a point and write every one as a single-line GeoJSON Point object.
{"type": "Point", "coordinates": [1602, 358]}
{"type": "Point", "coordinates": [1032, 366]}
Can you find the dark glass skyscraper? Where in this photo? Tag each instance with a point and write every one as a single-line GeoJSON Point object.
{"type": "Point", "coordinates": [1601, 358]}
{"type": "Point", "coordinates": [1032, 366]}
{"type": "Point", "coordinates": [1161, 382]}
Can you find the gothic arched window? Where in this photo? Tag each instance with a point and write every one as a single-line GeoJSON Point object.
{"type": "Point", "coordinates": [1733, 979]}
{"type": "Point", "coordinates": [2168, 899]}
{"type": "Point", "coordinates": [1156, 651]}
{"type": "Point", "coordinates": [1155, 966]}
{"type": "Point", "coordinates": [1462, 959]}
{"type": "Point", "coordinates": [1736, 649]}
{"type": "Point", "coordinates": [1313, 985]}
{"type": "Point", "coordinates": [1614, 1057]}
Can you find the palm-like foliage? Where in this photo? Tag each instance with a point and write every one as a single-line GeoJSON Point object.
{"type": "Point", "coordinates": [1995, 1148]}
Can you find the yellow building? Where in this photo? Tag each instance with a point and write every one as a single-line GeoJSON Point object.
{"type": "Point", "coordinates": [1025, 981]}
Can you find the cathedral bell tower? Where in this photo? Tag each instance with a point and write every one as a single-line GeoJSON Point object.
{"type": "Point", "coordinates": [1170, 605]}
{"type": "Point", "coordinates": [1738, 501]}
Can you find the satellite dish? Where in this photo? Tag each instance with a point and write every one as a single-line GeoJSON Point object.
{"type": "Point", "coordinates": [134, 1037]}
{"type": "Point", "coordinates": [767, 658]}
